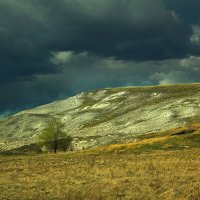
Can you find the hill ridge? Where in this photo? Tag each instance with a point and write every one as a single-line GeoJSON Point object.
{"type": "Point", "coordinates": [111, 115]}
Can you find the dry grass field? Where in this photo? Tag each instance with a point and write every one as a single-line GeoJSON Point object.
{"type": "Point", "coordinates": [111, 175]}
{"type": "Point", "coordinates": [157, 166]}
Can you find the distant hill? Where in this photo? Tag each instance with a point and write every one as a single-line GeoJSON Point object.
{"type": "Point", "coordinates": [108, 116]}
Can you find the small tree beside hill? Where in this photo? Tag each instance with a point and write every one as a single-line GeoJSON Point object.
{"type": "Point", "coordinates": [54, 138]}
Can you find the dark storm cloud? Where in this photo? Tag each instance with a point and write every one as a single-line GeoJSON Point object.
{"type": "Point", "coordinates": [187, 9]}
{"type": "Point", "coordinates": [106, 38]}
{"type": "Point", "coordinates": [129, 29]}
{"type": "Point", "coordinates": [134, 30]}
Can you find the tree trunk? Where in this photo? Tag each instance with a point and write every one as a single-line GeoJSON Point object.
{"type": "Point", "coordinates": [55, 146]}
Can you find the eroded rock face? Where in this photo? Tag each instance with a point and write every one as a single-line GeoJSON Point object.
{"type": "Point", "coordinates": [109, 115]}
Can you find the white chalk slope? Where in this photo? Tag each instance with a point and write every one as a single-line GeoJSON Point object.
{"type": "Point", "coordinates": [109, 115]}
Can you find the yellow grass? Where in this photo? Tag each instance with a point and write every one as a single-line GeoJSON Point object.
{"type": "Point", "coordinates": [81, 175]}
{"type": "Point", "coordinates": [132, 145]}
{"type": "Point", "coordinates": [160, 137]}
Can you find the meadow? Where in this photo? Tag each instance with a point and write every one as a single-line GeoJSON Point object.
{"type": "Point", "coordinates": [157, 166]}
{"type": "Point", "coordinates": [111, 175]}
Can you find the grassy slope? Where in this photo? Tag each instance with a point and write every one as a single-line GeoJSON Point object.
{"type": "Point", "coordinates": [174, 139]}
{"type": "Point", "coordinates": [121, 171]}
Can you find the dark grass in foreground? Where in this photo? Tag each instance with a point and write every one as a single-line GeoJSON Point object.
{"type": "Point", "coordinates": [87, 175]}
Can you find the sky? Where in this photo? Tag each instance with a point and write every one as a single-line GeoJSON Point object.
{"type": "Point", "coordinates": [54, 49]}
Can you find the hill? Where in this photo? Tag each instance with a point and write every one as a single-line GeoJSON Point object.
{"type": "Point", "coordinates": [108, 116]}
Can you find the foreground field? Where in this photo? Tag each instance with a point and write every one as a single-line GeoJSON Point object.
{"type": "Point", "coordinates": [111, 175]}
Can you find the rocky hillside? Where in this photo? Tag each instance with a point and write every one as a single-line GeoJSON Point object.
{"type": "Point", "coordinates": [109, 115]}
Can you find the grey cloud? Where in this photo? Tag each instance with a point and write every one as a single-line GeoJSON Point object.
{"type": "Point", "coordinates": [111, 71]}
{"type": "Point", "coordinates": [170, 78]}
{"type": "Point", "coordinates": [195, 39]}
{"type": "Point", "coordinates": [191, 63]}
